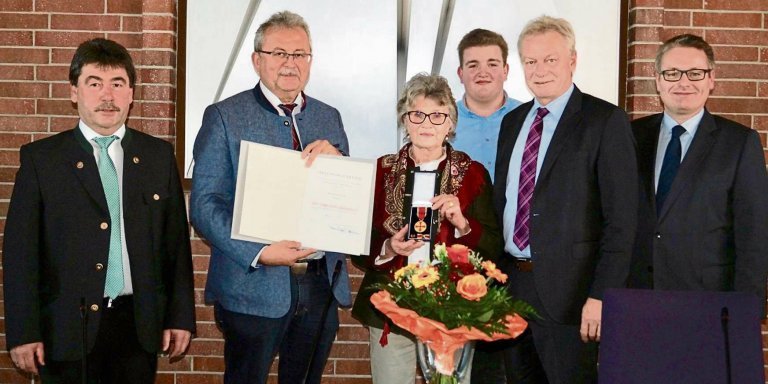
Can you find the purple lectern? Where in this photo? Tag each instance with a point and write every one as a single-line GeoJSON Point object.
{"type": "Point", "coordinates": [680, 337]}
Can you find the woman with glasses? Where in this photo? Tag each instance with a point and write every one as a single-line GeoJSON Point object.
{"type": "Point", "coordinates": [426, 194]}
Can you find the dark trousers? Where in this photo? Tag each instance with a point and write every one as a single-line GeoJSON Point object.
{"type": "Point", "coordinates": [488, 362]}
{"type": "Point", "coordinates": [302, 338]}
{"type": "Point", "coordinates": [117, 357]}
{"type": "Point", "coordinates": [555, 346]}
{"type": "Point", "coordinates": [521, 361]}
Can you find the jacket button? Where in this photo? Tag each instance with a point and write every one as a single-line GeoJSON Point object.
{"type": "Point", "coordinates": [156, 197]}
{"type": "Point", "coordinates": [99, 266]}
{"type": "Point", "coordinates": [286, 123]}
{"type": "Point", "coordinates": [658, 235]}
{"type": "Point", "coordinates": [94, 307]}
{"type": "Point", "coordinates": [104, 225]}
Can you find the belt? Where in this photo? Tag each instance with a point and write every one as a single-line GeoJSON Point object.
{"type": "Point", "coordinates": [301, 267]}
{"type": "Point", "coordinates": [523, 265]}
{"type": "Point", "coordinates": [118, 302]}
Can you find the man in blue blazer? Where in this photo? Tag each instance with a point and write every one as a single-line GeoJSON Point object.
{"type": "Point", "coordinates": [704, 188]}
{"type": "Point", "coordinates": [566, 188]}
{"type": "Point", "coordinates": [267, 298]}
{"type": "Point", "coordinates": [96, 254]}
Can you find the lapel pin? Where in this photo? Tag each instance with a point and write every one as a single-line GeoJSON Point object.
{"type": "Point", "coordinates": [136, 160]}
{"type": "Point", "coordinates": [79, 165]}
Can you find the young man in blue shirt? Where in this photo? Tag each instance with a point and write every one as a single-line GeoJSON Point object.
{"type": "Point", "coordinates": [483, 71]}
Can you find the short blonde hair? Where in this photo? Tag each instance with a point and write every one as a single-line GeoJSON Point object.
{"type": "Point", "coordinates": [433, 87]}
{"type": "Point", "coordinates": [543, 24]}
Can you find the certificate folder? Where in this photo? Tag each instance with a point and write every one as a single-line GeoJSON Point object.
{"type": "Point", "coordinates": [327, 206]}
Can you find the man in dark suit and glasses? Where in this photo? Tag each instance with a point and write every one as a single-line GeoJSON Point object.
{"type": "Point", "coordinates": [566, 188]}
{"type": "Point", "coordinates": [96, 253]}
{"type": "Point", "coordinates": [704, 188]}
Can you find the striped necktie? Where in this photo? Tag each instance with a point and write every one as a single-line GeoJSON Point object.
{"type": "Point", "coordinates": [288, 110]}
{"type": "Point", "coordinates": [521, 235]}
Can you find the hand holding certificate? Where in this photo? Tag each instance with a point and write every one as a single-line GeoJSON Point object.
{"type": "Point", "coordinates": [327, 206]}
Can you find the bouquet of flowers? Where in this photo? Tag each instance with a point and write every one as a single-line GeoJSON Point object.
{"type": "Point", "coordinates": [450, 302]}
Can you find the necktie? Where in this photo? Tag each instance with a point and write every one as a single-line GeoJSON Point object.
{"type": "Point", "coordinates": [288, 109]}
{"type": "Point", "coordinates": [521, 235]}
{"type": "Point", "coordinates": [109, 182]}
{"type": "Point", "coordinates": [669, 166]}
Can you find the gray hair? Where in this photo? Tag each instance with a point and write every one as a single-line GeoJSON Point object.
{"type": "Point", "coordinates": [284, 19]}
{"type": "Point", "coordinates": [543, 24]}
{"type": "Point", "coordinates": [434, 87]}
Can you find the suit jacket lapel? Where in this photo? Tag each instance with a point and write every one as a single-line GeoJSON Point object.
{"type": "Point", "coordinates": [692, 161]}
{"type": "Point", "coordinates": [85, 168]}
{"type": "Point", "coordinates": [133, 161]}
{"type": "Point", "coordinates": [647, 137]}
{"type": "Point", "coordinates": [132, 157]}
{"type": "Point", "coordinates": [511, 136]}
{"type": "Point", "coordinates": [567, 124]}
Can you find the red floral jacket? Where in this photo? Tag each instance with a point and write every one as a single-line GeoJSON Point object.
{"type": "Point", "coordinates": [458, 175]}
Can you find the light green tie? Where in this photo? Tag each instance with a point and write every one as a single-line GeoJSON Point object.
{"type": "Point", "coordinates": [108, 173]}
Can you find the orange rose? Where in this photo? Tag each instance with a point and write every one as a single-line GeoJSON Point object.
{"type": "Point", "coordinates": [458, 254]}
{"type": "Point", "coordinates": [472, 287]}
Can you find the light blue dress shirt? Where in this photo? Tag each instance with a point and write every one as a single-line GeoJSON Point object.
{"type": "Point", "coordinates": [555, 108]}
{"type": "Point", "coordinates": [665, 135]}
{"type": "Point", "coordinates": [477, 136]}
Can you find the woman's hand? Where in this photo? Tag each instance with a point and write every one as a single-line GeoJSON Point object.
{"type": "Point", "coordinates": [450, 208]}
{"type": "Point", "coordinates": [398, 245]}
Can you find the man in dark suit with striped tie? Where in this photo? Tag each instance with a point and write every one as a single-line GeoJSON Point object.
{"type": "Point", "coordinates": [704, 188]}
{"type": "Point", "coordinates": [566, 188]}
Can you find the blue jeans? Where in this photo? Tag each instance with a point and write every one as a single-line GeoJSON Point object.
{"type": "Point", "coordinates": [301, 337]}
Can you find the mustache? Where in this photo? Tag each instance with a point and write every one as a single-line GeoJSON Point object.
{"type": "Point", "coordinates": [107, 107]}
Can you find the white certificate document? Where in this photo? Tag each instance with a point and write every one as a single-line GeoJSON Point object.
{"type": "Point", "coordinates": [327, 206]}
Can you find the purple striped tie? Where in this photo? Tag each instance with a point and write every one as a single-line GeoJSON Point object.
{"type": "Point", "coordinates": [521, 236]}
{"type": "Point", "coordinates": [288, 110]}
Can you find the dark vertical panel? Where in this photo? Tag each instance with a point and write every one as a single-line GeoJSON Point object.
{"type": "Point", "coordinates": [623, 51]}
{"type": "Point", "coordinates": [181, 86]}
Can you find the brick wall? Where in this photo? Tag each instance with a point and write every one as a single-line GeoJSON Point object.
{"type": "Point", "coordinates": [38, 37]}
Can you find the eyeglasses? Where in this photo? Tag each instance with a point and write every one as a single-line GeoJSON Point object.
{"type": "Point", "coordinates": [694, 74]}
{"type": "Point", "coordinates": [418, 117]}
{"type": "Point", "coordinates": [283, 55]}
